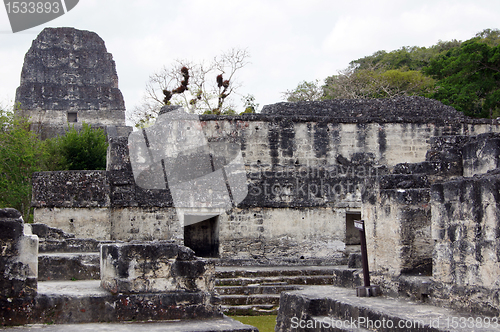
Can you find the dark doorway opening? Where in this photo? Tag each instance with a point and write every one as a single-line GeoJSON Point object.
{"type": "Point", "coordinates": [351, 232]}
{"type": "Point", "coordinates": [72, 117]}
{"type": "Point", "coordinates": [203, 236]}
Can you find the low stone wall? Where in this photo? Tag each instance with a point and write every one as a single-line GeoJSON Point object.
{"type": "Point", "coordinates": [154, 267]}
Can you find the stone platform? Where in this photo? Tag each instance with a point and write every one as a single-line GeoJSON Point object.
{"type": "Point", "coordinates": [318, 308]}
{"type": "Point", "coordinates": [224, 324]}
{"type": "Point", "coordinates": [63, 302]}
{"type": "Point", "coordinates": [80, 302]}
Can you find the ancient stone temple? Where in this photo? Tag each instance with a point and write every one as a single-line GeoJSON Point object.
{"type": "Point", "coordinates": [424, 178]}
{"type": "Point", "coordinates": [68, 78]}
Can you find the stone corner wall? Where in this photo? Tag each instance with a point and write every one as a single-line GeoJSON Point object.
{"type": "Point", "coordinates": [397, 219]}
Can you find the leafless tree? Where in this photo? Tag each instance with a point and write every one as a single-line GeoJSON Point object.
{"type": "Point", "coordinates": [209, 89]}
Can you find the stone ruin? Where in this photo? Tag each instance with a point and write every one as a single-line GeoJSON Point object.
{"type": "Point", "coordinates": [422, 176]}
{"type": "Point", "coordinates": [68, 78]}
{"type": "Point", "coordinates": [19, 260]}
{"type": "Point", "coordinates": [309, 176]}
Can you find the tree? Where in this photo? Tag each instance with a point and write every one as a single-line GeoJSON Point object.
{"type": "Point", "coordinates": [469, 77]}
{"type": "Point", "coordinates": [354, 83]}
{"type": "Point", "coordinates": [21, 154]}
{"type": "Point", "coordinates": [406, 58]}
{"type": "Point", "coordinates": [208, 89]}
{"type": "Point", "coordinates": [249, 104]}
{"type": "Point", "coordinates": [305, 91]}
{"type": "Point", "coordinates": [79, 150]}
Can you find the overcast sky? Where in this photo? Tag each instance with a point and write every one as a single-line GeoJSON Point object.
{"type": "Point", "coordinates": [288, 40]}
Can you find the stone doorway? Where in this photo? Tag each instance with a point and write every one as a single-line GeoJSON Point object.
{"type": "Point", "coordinates": [202, 236]}
{"type": "Point", "coordinates": [351, 232]}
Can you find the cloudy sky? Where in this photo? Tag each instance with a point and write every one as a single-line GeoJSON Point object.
{"type": "Point", "coordinates": [288, 40]}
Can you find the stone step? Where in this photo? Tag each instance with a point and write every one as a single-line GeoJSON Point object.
{"type": "Point", "coordinates": [68, 266]}
{"type": "Point", "coordinates": [273, 271]}
{"type": "Point", "coordinates": [224, 324]}
{"type": "Point", "coordinates": [281, 280]}
{"type": "Point", "coordinates": [69, 245]}
{"type": "Point", "coordinates": [71, 302]}
{"type": "Point", "coordinates": [273, 299]}
{"type": "Point", "coordinates": [250, 309]}
{"type": "Point", "coordinates": [373, 313]}
{"type": "Point", "coordinates": [254, 289]}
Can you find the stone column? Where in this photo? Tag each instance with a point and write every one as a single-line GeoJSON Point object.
{"type": "Point", "coordinates": [398, 225]}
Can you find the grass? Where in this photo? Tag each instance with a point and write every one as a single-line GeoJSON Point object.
{"type": "Point", "coordinates": [263, 323]}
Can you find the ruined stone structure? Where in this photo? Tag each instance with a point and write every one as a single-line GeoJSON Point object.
{"type": "Point", "coordinates": [19, 259]}
{"type": "Point", "coordinates": [142, 281]}
{"type": "Point", "coordinates": [306, 173]}
{"type": "Point", "coordinates": [153, 267]}
{"type": "Point", "coordinates": [68, 78]}
{"type": "Point", "coordinates": [439, 218]}
{"type": "Point", "coordinates": [422, 176]}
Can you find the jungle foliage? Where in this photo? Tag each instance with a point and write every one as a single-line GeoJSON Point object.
{"type": "Point", "coordinates": [464, 75]}
{"type": "Point", "coordinates": [22, 153]}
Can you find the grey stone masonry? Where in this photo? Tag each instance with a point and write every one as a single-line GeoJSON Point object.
{"type": "Point", "coordinates": [403, 109]}
{"type": "Point", "coordinates": [18, 262]}
{"type": "Point", "coordinates": [154, 267]}
{"type": "Point", "coordinates": [465, 228]}
{"type": "Point", "coordinates": [69, 77]}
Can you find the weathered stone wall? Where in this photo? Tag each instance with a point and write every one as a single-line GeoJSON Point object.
{"type": "Point", "coordinates": [305, 173]}
{"type": "Point", "coordinates": [75, 201]}
{"type": "Point", "coordinates": [397, 212]}
{"type": "Point", "coordinates": [480, 154]}
{"type": "Point", "coordinates": [465, 228]}
{"type": "Point", "coordinates": [279, 235]}
{"type": "Point", "coordinates": [432, 218]}
{"type": "Point", "coordinates": [68, 76]}
{"type": "Point", "coordinates": [18, 261]}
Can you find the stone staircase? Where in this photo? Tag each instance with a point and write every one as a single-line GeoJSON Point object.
{"type": "Point", "coordinates": [62, 256]}
{"type": "Point", "coordinates": [243, 290]}
{"type": "Point", "coordinates": [256, 290]}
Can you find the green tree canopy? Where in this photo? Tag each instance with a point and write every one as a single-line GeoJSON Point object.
{"type": "Point", "coordinates": [469, 77]}
{"type": "Point", "coordinates": [465, 75]}
{"type": "Point", "coordinates": [21, 154]}
{"type": "Point", "coordinates": [305, 91]}
{"type": "Point", "coordinates": [406, 58]}
{"type": "Point", "coordinates": [356, 83]}
{"type": "Point", "coordinates": [79, 150]}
